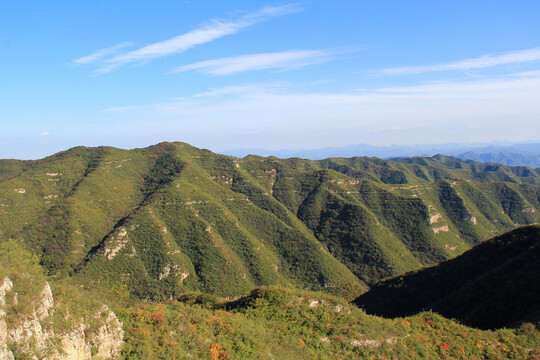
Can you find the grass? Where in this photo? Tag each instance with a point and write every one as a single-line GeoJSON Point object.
{"type": "Point", "coordinates": [272, 323]}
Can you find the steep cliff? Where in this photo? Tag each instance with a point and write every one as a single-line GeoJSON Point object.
{"type": "Point", "coordinates": [33, 325]}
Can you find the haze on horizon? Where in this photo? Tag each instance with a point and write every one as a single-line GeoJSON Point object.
{"type": "Point", "coordinates": [272, 75]}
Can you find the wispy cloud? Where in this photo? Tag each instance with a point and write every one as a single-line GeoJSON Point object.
{"type": "Point", "coordinates": [485, 61]}
{"type": "Point", "coordinates": [384, 129]}
{"type": "Point", "coordinates": [45, 133]}
{"type": "Point", "coordinates": [268, 97]}
{"type": "Point", "coordinates": [526, 73]}
{"type": "Point", "coordinates": [210, 31]}
{"type": "Point", "coordinates": [283, 60]}
{"type": "Point", "coordinates": [470, 89]}
{"type": "Point", "coordinates": [259, 107]}
{"type": "Point", "coordinates": [263, 88]}
{"type": "Point", "coordinates": [120, 109]}
{"type": "Point", "coordinates": [100, 54]}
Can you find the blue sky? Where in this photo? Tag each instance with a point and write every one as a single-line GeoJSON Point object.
{"type": "Point", "coordinates": [242, 74]}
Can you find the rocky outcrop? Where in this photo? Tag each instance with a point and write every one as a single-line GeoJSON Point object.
{"type": "Point", "coordinates": [29, 331]}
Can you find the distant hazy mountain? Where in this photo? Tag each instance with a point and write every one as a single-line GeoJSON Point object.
{"type": "Point", "coordinates": [360, 150]}
{"type": "Point", "coordinates": [515, 155]}
{"type": "Point", "coordinates": [525, 154]}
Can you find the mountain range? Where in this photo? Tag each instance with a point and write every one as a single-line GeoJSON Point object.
{"type": "Point", "coordinates": [519, 154]}
{"type": "Point", "coordinates": [172, 251]}
{"type": "Point", "coordinates": [173, 218]}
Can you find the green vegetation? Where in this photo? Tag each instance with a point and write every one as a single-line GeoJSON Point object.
{"type": "Point", "coordinates": [454, 207]}
{"type": "Point", "coordinates": [267, 323]}
{"type": "Point", "coordinates": [172, 238]}
{"type": "Point", "coordinates": [495, 284]}
{"type": "Point", "coordinates": [171, 218]}
{"type": "Point", "coordinates": [34, 322]}
{"type": "Point", "coordinates": [22, 270]}
{"type": "Point", "coordinates": [275, 323]}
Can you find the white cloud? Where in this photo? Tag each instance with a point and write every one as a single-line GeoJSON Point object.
{"type": "Point", "coordinates": [485, 61]}
{"type": "Point", "coordinates": [267, 98]}
{"type": "Point", "coordinates": [208, 32]}
{"type": "Point", "coordinates": [100, 54]}
{"type": "Point", "coordinates": [264, 88]}
{"type": "Point", "coordinates": [498, 109]}
{"type": "Point", "coordinates": [526, 73]}
{"type": "Point", "coordinates": [45, 133]}
{"type": "Point", "coordinates": [470, 89]}
{"type": "Point", "coordinates": [283, 60]}
{"type": "Point", "coordinates": [120, 109]}
{"type": "Point", "coordinates": [390, 128]}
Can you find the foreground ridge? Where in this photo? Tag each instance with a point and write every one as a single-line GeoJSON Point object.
{"type": "Point", "coordinates": [493, 285]}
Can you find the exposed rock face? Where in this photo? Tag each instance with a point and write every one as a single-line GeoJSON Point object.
{"type": "Point", "coordinates": [32, 333]}
{"type": "Point", "coordinates": [6, 286]}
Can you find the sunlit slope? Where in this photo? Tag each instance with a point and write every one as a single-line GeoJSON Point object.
{"type": "Point", "coordinates": [172, 218]}
{"type": "Point", "coordinates": [192, 232]}
{"type": "Point", "coordinates": [275, 323]}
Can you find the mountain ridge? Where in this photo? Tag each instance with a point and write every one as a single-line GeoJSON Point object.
{"type": "Point", "coordinates": [493, 285]}
{"type": "Point", "coordinates": [518, 154]}
{"type": "Point", "coordinates": [173, 218]}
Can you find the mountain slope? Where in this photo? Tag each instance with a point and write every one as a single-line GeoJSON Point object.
{"type": "Point", "coordinates": [495, 284]}
{"type": "Point", "coordinates": [172, 218]}
{"type": "Point", "coordinates": [268, 323]}
{"type": "Point", "coordinates": [274, 323]}
{"type": "Point", "coordinates": [72, 324]}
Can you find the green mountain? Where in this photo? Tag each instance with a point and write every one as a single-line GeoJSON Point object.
{"type": "Point", "coordinates": [267, 323]}
{"type": "Point", "coordinates": [493, 285]}
{"type": "Point", "coordinates": [172, 218]}
{"type": "Point", "coordinates": [202, 235]}
{"type": "Point", "coordinates": [519, 154]}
